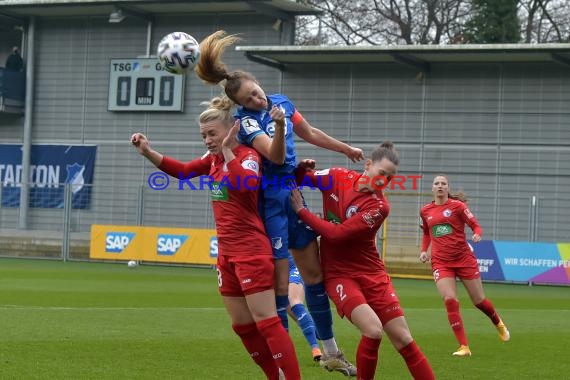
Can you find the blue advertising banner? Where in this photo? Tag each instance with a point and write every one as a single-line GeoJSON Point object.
{"type": "Point", "coordinates": [51, 166]}
{"type": "Point", "coordinates": [547, 263]}
{"type": "Point", "coordinates": [489, 264]}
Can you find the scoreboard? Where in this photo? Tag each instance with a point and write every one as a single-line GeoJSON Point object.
{"type": "Point", "coordinates": [141, 84]}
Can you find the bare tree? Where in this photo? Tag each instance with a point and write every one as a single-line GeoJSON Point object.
{"type": "Point", "coordinates": [545, 20]}
{"type": "Point", "coordinates": [392, 22]}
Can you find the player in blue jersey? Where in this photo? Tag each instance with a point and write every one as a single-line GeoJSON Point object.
{"type": "Point", "coordinates": [257, 112]}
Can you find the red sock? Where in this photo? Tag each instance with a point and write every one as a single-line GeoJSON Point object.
{"type": "Point", "coordinates": [281, 346]}
{"type": "Point", "coordinates": [417, 363]}
{"type": "Point", "coordinates": [367, 358]}
{"type": "Point", "coordinates": [258, 349]}
{"type": "Point", "coordinates": [487, 307]}
{"type": "Point", "coordinates": [454, 317]}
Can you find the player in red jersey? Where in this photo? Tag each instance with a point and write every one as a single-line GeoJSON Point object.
{"type": "Point", "coordinates": [245, 262]}
{"type": "Point", "coordinates": [443, 223]}
{"type": "Point", "coordinates": [355, 278]}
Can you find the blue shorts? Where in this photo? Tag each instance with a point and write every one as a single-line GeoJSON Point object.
{"type": "Point", "coordinates": [284, 228]}
{"type": "Point", "coordinates": [294, 276]}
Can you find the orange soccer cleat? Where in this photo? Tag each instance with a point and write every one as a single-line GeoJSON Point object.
{"type": "Point", "coordinates": [317, 354]}
{"type": "Point", "coordinates": [462, 351]}
{"type": "Point", "coordinates": [504, 334]}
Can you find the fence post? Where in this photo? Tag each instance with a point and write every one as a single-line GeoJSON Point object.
{"type": "Point", "coordinates": [140, 211]}
{"type": "Point", "coordinates": [67, 206]}
{"type": "Point", "coordinates": [532, 219]}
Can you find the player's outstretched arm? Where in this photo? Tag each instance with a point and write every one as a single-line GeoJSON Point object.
{"type": "Point", "coordinates": [319, 138]}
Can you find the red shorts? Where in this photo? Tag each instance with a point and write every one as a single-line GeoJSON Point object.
{"type": "Point", "coordinates": [239, 276]}
{"type": "Point", "coordinates": [375, 290]}
{"type": "Point", "coordinates": [466, 268]}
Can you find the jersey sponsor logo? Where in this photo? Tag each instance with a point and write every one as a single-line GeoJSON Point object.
{"type": "Point", "coordinates": [447, 213]}
{"type": "Point", "coordinates": [116, 242]}
{"type": "Point", "coordinates": [250, 164]}
{"type": "Point", "coordinates": [250, 125]}
{"type": "Point", "coordinates": [468, 213]}
{"type": "Point", "coordinates": [219, 193]}
{"type": "Point", "coordinates": [350, 211]}
{"type": "Point", "coordinates": [168, 245]}
{"type": "Point", "coordinates": [322, 172]}
{"type": "Point", "coordinates": [331, 217]}
{"type": "Point", "coordinates": [441, 230]}
{"type": "Point", "coordinates": [276, 242]}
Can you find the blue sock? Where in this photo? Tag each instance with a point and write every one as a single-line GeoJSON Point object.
{"type": "Point", "coordinates": [320, 309]}
{"type": "Point", "coordinates": [306, 324]}
{"type": "Point", "coordinates": [282, 304]}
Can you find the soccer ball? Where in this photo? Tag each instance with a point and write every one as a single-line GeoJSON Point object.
{"type": "Point", "coordinates": [178, 52]}
{"type": "Point", "coordinates": [132, 264]}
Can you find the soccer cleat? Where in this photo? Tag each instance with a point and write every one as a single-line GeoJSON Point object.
{"type": "Point", "coordinates": [317, 354]}
{"type": "Point", "coordinates": [462, 351]}
{"type": "Point", "coordinates": [337, 362]}
{"type": "Point", "coordinates": [504, 334]}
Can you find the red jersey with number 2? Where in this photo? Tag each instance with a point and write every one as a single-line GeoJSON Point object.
{"type": "Point", "coordinates": [349, 247]}
{"type": "Point", "coordinates": [444, 226]}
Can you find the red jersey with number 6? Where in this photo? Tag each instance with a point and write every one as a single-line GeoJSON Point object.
{"type": "Point", "coordinates": [444, 226]}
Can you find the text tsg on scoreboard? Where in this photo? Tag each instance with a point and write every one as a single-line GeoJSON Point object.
{"type": "Point", "coordinates": [141, 84]}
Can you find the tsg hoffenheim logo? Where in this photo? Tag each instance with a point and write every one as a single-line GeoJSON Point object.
{"type": "Point", "coordinates": [75, 177]}
{"type": "Point", "coordinates": [116, 242]}
{"type": "Point", "coordinates": [168, 245]}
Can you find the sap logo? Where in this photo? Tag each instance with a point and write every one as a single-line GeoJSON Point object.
{"type": "Point", "coordinates": [168, 245]}
{"type": "Point", "coordinates": [214, 246]}
{"type": "Point", "coordinates": [116, 242]}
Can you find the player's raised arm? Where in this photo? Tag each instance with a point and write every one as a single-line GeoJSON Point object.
{"type": "Point", "coordinates": [141, 143]}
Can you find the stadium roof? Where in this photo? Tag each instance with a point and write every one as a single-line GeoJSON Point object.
{"type": "Point", "coordinates": [22, 9]}
{"type": "Point", "coordinates": [421, 56]}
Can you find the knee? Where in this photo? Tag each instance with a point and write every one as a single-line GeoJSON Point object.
{"type": "Point", "coordinates": [281, 288]}
{"type": "Point", "coordinates": [372, 330]}
{"type": "Point", "coordinates": [312, 276]}
{"type": "Point", "coordinates": [402, 340]}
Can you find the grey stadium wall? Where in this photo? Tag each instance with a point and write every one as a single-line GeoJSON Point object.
{"type": "Point", "coordinates": [501, 131]}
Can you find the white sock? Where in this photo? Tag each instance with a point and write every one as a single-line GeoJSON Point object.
{"type": "Point", "coordinates": [329, 346]}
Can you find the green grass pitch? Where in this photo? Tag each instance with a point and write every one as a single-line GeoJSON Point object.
{"type": "Point", "coordinates": [105, 321]}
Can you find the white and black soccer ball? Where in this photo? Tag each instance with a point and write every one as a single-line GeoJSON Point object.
{"type": "Point", "coordinates": [178, 52]}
